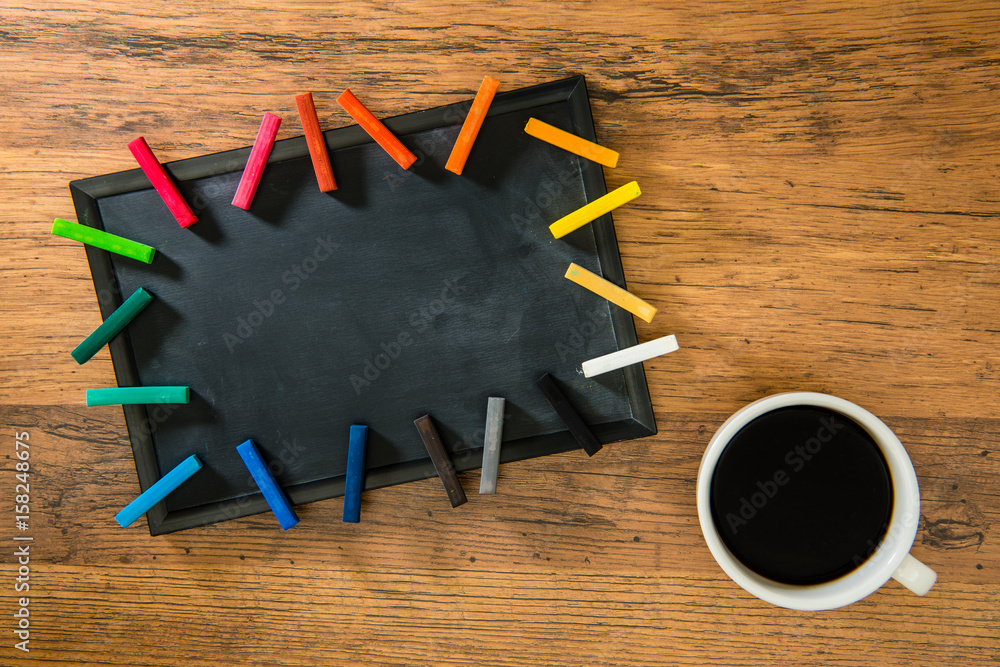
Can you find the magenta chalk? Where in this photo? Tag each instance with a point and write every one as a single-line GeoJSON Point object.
{"type": "Point", "coordinates": [164, 185]}
{"type": "Point", "coordinates": [261, 150]}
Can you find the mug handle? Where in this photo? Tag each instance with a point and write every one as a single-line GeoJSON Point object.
{"type": "Point", "coordinates": [915, 575]}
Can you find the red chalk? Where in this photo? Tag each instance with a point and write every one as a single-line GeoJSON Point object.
{"type": "Point", "coordinates": [316, 142]}
{"type": "Point", "coordinates": [379, 132]}
{"type": "Point", "coordinates": [165, 187]}
{"type": "Point", "coordinates": [261, 150]}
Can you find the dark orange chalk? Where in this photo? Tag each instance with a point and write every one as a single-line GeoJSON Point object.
{"type": "Point", "coordinates": [374, 127]}
{"type": "Point", "coordinates": [316, 142]}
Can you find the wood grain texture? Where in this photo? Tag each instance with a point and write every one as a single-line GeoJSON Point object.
{"type": "Point", "coordinates": [819, 212]}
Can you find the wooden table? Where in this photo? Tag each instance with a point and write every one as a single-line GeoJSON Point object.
{"type": "Point", "coordinates": [820, 213]}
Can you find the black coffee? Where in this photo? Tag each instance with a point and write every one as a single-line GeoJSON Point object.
{"type": "Point", "coordinates": [801, 495]}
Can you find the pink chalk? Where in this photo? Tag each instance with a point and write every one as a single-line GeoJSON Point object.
{"type": "Point", "coordinates": [261, 150]}
{"type": "Point", "coordinates": [165, 187]}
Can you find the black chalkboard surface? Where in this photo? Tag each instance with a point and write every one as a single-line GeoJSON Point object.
{"type": "Point", "coordinates": [400, 294]}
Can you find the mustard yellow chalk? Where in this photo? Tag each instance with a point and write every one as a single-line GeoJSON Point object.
{"type": "Point", "coordinates": [595, 209]}
{"type": "Point", "coordinates": [571, 142]}
{"type": "Point", "coordinates": [611, 292]}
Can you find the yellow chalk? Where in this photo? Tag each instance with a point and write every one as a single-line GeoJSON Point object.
{"type": "Point", "coordinates": [611, 292]}
{"type": "Point", "coordinates": [571, 142]}
{"type": "Point", "coordinates": [595, 209]}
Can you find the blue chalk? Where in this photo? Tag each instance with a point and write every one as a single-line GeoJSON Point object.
{"type": "Point", "coordinates": [355, 473]}
{"type": "Point", "coordinates": [159, 491]}
{"type": "Point", "coordinates": [273, 494]}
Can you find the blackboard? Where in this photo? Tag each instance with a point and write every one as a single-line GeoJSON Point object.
{"type": "Point", "coordinates": [399, 294]}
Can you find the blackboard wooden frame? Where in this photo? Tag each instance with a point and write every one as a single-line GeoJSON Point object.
{"type": "Point", "coordinates": [87, 194]}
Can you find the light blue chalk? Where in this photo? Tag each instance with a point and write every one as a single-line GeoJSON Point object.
{"type": "Point", "coordinates": [273, 494]}
{"type": "Point", "coordinates": [159, 491]}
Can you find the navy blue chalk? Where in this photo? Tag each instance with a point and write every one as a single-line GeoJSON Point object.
{"type": "Point", "coordinates": [154, 494]}
{"type": "Point", "coordinates": [273, 494]}
{"type": "Point", "coordinates": [355, 473]}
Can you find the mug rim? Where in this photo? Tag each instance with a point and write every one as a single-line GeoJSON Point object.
{"type": "Point", "coordinates": [877, 568]}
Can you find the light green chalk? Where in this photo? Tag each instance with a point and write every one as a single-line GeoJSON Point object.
{"type": "Point", "coordinates": [103, 240]}
{"type": "Point", "coordinates": [138, 395]}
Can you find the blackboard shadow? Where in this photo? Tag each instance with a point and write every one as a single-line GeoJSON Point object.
{"type": "Point", "coordinates": [582, 239]}
{"type": "Point", "coordinates": [428, 169]}
{"type": "Point", "coordinates": [613, 381]}
{"type": "Point", "coordinates": [349, 172]}
{"type": "Point", "coordinates": [517, 422]}
{"type": "Point", "coordinates": [273, 198]}
{"type": "Point", "coordinates": [164, 266]}
{"type": "Point", "coordinates": [207, 228]}
{"type": "Point", "coordinates": [161, 319]}
{"type": "Point", "coordinates": [490, 161]}
{"type": "Point", "coordinates": [465, 449]}
{"type": "Point", "coordinates": [168, 416]}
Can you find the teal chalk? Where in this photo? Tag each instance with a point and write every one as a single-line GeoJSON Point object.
{"type": "Point", "coordinates": [138, 395]}
{"type": "Point", "coordinates": [158, 491]}
{"type": "Point", "coordinates": [117, 321]}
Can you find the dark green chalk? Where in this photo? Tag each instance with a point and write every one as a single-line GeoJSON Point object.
{"type": "Point", "coordinates": [117, 321]}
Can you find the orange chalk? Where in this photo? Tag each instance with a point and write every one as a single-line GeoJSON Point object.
{"type": "Point", "coordinates": [374, 127]}
{"type": "Point", "coordinates": [571, 142]}
{"type": "Point", "coordinates": [611, 292]}
{"type": "Point", "coordinates": [470, 128]}
{"type": "Point", "coordinates": [316, 142]}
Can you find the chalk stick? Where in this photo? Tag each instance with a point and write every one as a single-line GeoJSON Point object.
{"type": "Point", "coordinates": [491, 445]}
{"type": "Point", "coordinates": [158, 491]}
{"type": "Point", "coordinates": [112, 326]}
{"type": "Point", "coordinates": [316, 142]}
{"type": "Point", "coordinates": [275, 497]}
{"type": "Point", "coordinates": [374, 127]}
{"type": "Point", "coordinates": [630, 355]}
{"type": "Point", "coordinates": [103, 240]}
{"type": "Point", "coordinates": [611, 292]}
{"type": "Point", "coordinates": [261, 150]}
{"type": "Point", "coordinates": [442, 462]}
{"type": "Point", "coordinates": [571, 142]}
{"type": "Point", "coordinates": [473, 122]}
{"type": "Point", "coordinates": [355, 473]}
{"type": "Point", "coordinates": [164, 185]}
{"type": "Point", "coordinates": [595, 209]}
{"type": "Point", "coordinates": [577, 427]}
{"type": "Point", "coordinates": [138, 395]}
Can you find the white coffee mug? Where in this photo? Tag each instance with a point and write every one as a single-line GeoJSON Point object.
{"type": "Point", "coordinates": [891, 559]}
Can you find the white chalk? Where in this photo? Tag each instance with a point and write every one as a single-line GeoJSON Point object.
{"type": "Point", "coordinates": [491, 445]}
{"type": "Point", "coordinates": [630, 355]}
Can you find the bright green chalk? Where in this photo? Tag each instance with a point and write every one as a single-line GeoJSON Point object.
{"type": "Point", "coordinates": [103, 240]}
{"type": "Point", "coordinates": [117, 321]}
{"type": "Point", "coordinates": [138, 395]}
